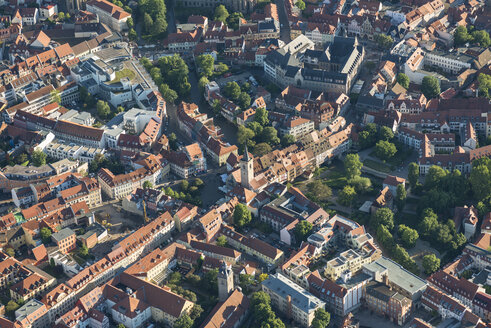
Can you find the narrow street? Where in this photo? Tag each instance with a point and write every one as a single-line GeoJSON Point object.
{"type": "Point", "coordinates": [285, 26]}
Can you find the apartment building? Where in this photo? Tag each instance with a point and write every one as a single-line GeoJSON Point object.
{"type": "Point", "coordinates": [253, 246]}
{"type": "Point", "coordinates": [31, 287]}
{"type": "Point", "coordinates": [291, 299]}
{"type": "Point", "coordinates": [65, 240]}
{"type": "Point", "coordinates": [121, 185]}
{"type": "Point", "coordinates": [110, 14]}
{"type": "Point", "coordinates": [383, 300]}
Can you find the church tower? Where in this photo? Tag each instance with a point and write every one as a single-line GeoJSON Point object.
{"type": "Point", "coordinates": [246, 169]}
{"type": "Point", "coordinates": [225, 280]}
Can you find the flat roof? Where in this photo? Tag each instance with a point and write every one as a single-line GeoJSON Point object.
{"type": "Point", "coordinates": [397, 274]}
{"type": "Point", "coordinates": [301, 298]}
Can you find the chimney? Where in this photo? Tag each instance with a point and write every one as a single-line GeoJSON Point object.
{"type": "Point", "coordinates": [289, 306]}
{"type": "Point", "coordinates": [386, 279]}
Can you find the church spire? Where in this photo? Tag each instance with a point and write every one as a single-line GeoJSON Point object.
{"type": "Point", "coordinates": [246, 153]}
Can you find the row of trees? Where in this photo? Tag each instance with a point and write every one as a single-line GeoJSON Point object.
{"type": "Point", "coordinates": [189, 192]}
{"type": "Point", "coordinates": [152, 14]}
{"type": "Point", "coordinates": [383, 223]}
{"type": "Point", "coordinates": [462, 36]}
{"type": "Point", "coordinates": [262, 312]}
{"type": "Point", "coordinates": [259, 136]}
{"type": "Point", "coordinates": [170, 70]}
{"type": "Point", "coordinates": [38, 158]}
{"type": "Point", "coordinates": [356, 183]}
{"type": "Point", "coordinates": [371, 134]}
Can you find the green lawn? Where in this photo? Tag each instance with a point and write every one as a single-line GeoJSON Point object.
{"type": "Point", "coordinates": [125, 72]}
{"type": "Point", "coordinates": [336, 179]}
{"type": "Point", "coordinates": [377, 166]}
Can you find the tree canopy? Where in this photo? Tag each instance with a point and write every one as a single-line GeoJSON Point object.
{"type": "Point", "coordinates": [352, 166]}
{"type": "Point", "coordinates": [403, 80]}
{"type": "Point", "coordinates": [430, 87]}
{"type": "Point", "coordinates": [242, 215]}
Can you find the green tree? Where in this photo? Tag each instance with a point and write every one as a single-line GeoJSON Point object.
{"type": "Point", "coordinates": [242, 215]}
{"type": "Point", "coordinates": [261, 116]}
{"type": "Point", "coordinates": [261, 149]}
{"type": "Point", "coordinates": [210, 280]}
{"type": "Point", "coordinates": [256, 127]}
{"type": "Point", "coordinates": [347, 195]}
{"type": "Point", "coordinates": [480, 179]}
{"type": "Point", "coordinates": [61, 16]}
{"type": "Point", "coordinates": [429, 222]}
{"type": "Point", "coordinates": [408, 236]}
{"type": "Point", "coordinates": [262, 277]}
{"type": "Point", "coordinates": [430, 87]}
{"type": "Point", "coordinates": [300, 5]}
{"type": "Point", "coordinates": [403, 80]}
{"type": "Point", "coordinates": [222, 241]}
{"type": "Point", "coordinates": [21, 158]}
{"type": "Point", "coordinates": [173, 141]}
{"type": "Point", "coordinates": [435, 177]}
{"type": "Point", "coordinates": [147, 185]}
{"type": "Point", "coordinates": [121, 325]}
{"type": "Point", "coordinates": [384, 216]}
{"type": "Point", "coordinates": [45, 234]}
{"type": "Point", "coordinates": [132, 35]}
{"type": "Point", "coordinates": [431, 263]}
{"type": "Point", "coordinates": [481, 38]}
{"type": "Point", "coordinates": [184, 185]}
{"type": "Point", "coordinates": [385, 133]}
{"type": "Point", "coordinates": [203, 81]}
{"type": "Point", "coordinates": [147, 23]}
{"type": "Point", "coordinates": [184, 321]}
{"type": "Point", "coordinates": [196, 312]}
{"type": "Point", "coordinates": [55, 96]}
{"type": "Point", "coordinates": [287, 140]}
{"type": "Point", "coordinates": [244, 135]}
{"type": "Point", "coordinates": [234, 19]}
{"type": "Point", "coordinates": [232, 90]}
{"type": "Point", "coordinates": [461, 36]}
{"type": "Point", "coordinates": [175, 278]}
{"type": "Point", "coordinates": [245, 87]}
{"type": "Point", "coordinates": [321, 318]}
{"type": "Point", "coordinates": [361, 184]}
{"type": "Point", "coordinates": [11, 306]}
{"type": "Point", "coordinates": [270, 136]}
{"type": "Point", "coordinates": [245, 281]}
{"type": "Point", "coordinates": [384, 41]}
{"type": "Point", "coordinates": [385, 149]}
{"type": "Point", "coordinates": [221, 13]}
{"type": "Point", "coordinates": [129, 23]}
{"type": "Point", "coordinates": [484, 81]}
{"type": "Point", "coordinates": [400, 197]}
{"type": "Point", "coordinates": [244, 101]}
{"type": "Point", "coordinates": [384, 236]}
{"type": "Point", "coordinates": [413, 174]}
{"type": "Point", "coordinates": [83, 251]}
{"type": "Point", "coordinates": [159, 25]}
{"type": "Point", "coordinates": [259, 298]}
{"type": "Point", "coordinates": [352, 166]}
{"type": "Point", "coordinates": [303, 230]}
{"type": "Point", "coordinates": [168, 94]}
{"type": "Point", "coordinates": [319, 191]}
{"type": "Point", "coordinates": [206, 64]}
{"type": "Point", "coordinates": [103, 109]}
{"type": "Point", "coordinates": [38, 158]}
